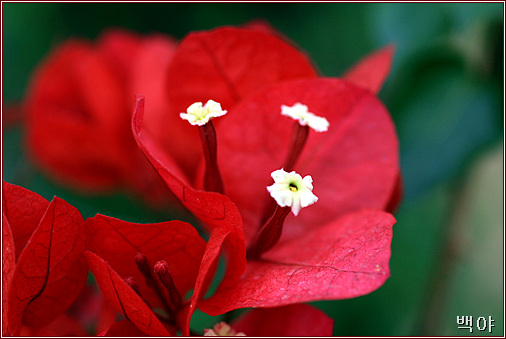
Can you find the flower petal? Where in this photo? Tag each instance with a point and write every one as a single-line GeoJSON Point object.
{"type": "Point", "coordinates": [215, 210]}
{"type": "Point", "coordinates": [346, 258]}
{"type": "Point", "coordinates": [178, 243]}
{"type": "Point", "coordinates": [299, 320]}
{"type": "Point", "coordinates": [23, 209]}
{"type": "Point", "coordinates": [8, 267]}
{"type": "Point", "coordinates": [353, 165]}
{"type": "Point", "coordinates": [123, 298]}
{"type": "Point", "coordinates": [50, 263]}
{"type": "Point", "coordinates": [226, 64]}
{"type": "Point", "coordinates": [372, 71]}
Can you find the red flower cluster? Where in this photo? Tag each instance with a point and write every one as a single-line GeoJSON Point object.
{"type": "Point", "coordinates": [338, 248]}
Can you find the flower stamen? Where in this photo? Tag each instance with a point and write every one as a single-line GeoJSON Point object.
{"type": "Point", "coordinates": [143, 266]}
{"type": "Point", "coordinates": [162, 271]}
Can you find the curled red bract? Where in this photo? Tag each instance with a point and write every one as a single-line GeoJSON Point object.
{"type": "Point", "coordinates": [46, 264]}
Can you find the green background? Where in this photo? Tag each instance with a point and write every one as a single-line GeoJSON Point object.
{"type": "Point", "coordinates": [445, 94]}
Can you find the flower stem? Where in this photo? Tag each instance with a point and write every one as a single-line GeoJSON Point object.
{"type": "Point", "coordinates": [212, 179]}
{"type": "Point", "coordinates": [297, 142]}
{"type": "Point", "coordinates": [299, 137]}
{"type": "Point", "coordinates": [269, 234]}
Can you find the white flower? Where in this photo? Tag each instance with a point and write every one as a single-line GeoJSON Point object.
{"type": "Point", "coordinates": [198, 115]}
{"type": "Point", "coordinates": [300, 112]}
{"type": "Point", "coordinates": [291, 190]}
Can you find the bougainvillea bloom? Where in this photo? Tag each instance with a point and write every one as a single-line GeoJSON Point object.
{"type": "Point", "coordinates": [79, 106]}
{"type": "Point", "coordinates": [43, 267]}
{"type": "Point", "coordinates": [80, 101]}
{"type": "Point", "coordinates": [338, 248]}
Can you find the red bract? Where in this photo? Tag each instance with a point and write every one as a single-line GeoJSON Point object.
{"type": "Point", "coordinates": [338, 248]}
{"type": "Point", "coordinates": [354, 164]}
{"type": "Point", "coordinates": [372, 71]}
{"type": "Point", "coordinates": [225, 64]}
{"type": "Point", "coordinates": [216, 210]}
{"type": "Point", "coordinates": [115, 247]}
{"type": "Point", "coordinates": [299, 320]}
{"type": "Point", "coordinates": [80, 100]}
{"type": "Point", "coordinates": [43, 266]}
{"type": "Point", "coordinates": [79, 107]}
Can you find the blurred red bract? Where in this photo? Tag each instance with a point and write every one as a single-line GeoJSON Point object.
{"type": "Point", "coordinates": [79, 106]}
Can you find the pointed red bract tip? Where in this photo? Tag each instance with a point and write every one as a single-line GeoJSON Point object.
{"type": "Point", "coordinates": [372, 71]}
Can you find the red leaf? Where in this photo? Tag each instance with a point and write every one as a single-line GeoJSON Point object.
{"type": "Point", "coordinates": [299, 320]}
{"type": "Point", "coordinates": [228, 63]}
{"type": "Point", "coordinates": [23, 209]}
{"type": "Point", "coordinates": [346, 258]}
{"type": "Point", "coordinates": [123, 298]}
{"type": "Point", "coordinates": [354, 164]}
{"type": "Point", "coordinates": [51, 263]}
{"type": "Point", "coordinates": [8, 266]}
{"type": "Point", "coordinates": [215, 210]}
{"type": "Point", "coordinates": [176, 242]}
{"type": "Point", "coordinates": [372, 71]}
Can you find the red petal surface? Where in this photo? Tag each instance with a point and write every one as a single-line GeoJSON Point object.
{"type": "Point", "coordinates": [123, 298]}
{"type": "Point", "coordinates": [123, 328]}
{"type": "Point", "coordinates": [299, 320]}
{"type": "Point", "coordinates": [151, 81]}
{"type": "Point", "coordinates": [79, 108]}
{"type": "Point", "coordinates": [23, 209]}
{"type": "Point", "coordinates": [121, 50]}
{"type": "Point", "coordinates": [354, 164]}
{"type": "Point", "coordinates": [50, 271]}
{"type": "Point", "coordinates": [8, 266]}
{"type": "Point", "coordinates": [63, 326]}
{"type": "Point", "coordinates": [346, 258]}
{"type": "Point", "coordinates": [226, 64]}
{"type": "Point", "coordinates": [372, 71]}
{"type": "Point", "coordinates": [74, 111]}
{"type": "Point", "coordinates": [215, 210]}
{"type": "Point", "coordinates": [176, 242]}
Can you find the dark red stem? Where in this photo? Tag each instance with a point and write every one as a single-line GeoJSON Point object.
{"type": "Point", "coordinates": [269, 234]}
{"type": "Point", "coordinates": [299, 138]}
{"type": "Point", "coordinates": [297, 142]}
{"type": "Point", "coordinates": [212, 179]}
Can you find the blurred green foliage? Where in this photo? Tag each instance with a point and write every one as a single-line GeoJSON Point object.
{"type": "Point", "coordinates": [445, 94]}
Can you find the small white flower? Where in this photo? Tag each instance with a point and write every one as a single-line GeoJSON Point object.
{"type": "Point", "coordinates": [300, 112]}
{"type": "Point", "coordinates": [198, 115]}
{"type": "Point", "coordinates": [291, 190]}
